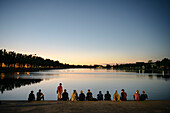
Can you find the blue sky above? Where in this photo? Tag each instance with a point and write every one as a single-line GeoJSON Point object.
{"type": "Point", "coordinates": [87, 31]}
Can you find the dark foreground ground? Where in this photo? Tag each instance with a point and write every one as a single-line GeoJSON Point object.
{"type": "Point", "coordinates": [85, 107]}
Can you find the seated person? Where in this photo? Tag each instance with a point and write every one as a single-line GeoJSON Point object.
{"type": "Point", "coordinates": [81, 96]}
{"type": "Point", "coordinates": [89, 96]}
{"type": "Point", "coordinates": [116, 97]}
{"type": "Point", "coordinates": [40, 95]}
{"type": "Point", "coordinates": [65, 95]}
{"type": "Point", "coordinates": [100, 96]}
{"type": "Point", "coordinates": [123, 96]}
{"type": "Point", "coordinates": [136, 96]}
{"type": "Point", "coordinates": [31, 96]}
{"type": "Point", "coordinates": [74, 96]}
{"type": "Point", "coordinates": [143, 96]}
{"type": "Point", "coordinates": [107, 96]}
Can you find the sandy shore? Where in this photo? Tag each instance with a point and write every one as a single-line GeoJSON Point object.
{"type": "Point", "coordinates": [85, 107]}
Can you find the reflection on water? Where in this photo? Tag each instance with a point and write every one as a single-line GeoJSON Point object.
{"type": "Point", "coordinates": [9, 84]}
{"type": "Point", "coordinates": [17, 86]}
{"type": "Point", "coordinates": [158, 76]}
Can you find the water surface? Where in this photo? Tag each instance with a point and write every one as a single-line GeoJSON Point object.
{"type": "Point", "coordinates": [17, 86]}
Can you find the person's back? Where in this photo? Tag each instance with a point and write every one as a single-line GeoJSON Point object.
{"type": "Point", "coordinates": [107, 96]}
{"type": "Point", "coordinates": [65, 96]}
{"type": "Point", "coordinates": [74, 96]}
{"type": "Point", "coordinates": [81, 96]}
{"type": "Point", "coordinates": [40, 95]}
{"type": "Point", "coordinates": [123, 96]}
{"type": "Point", "coordinates": [100, 96]}
{"type": "Point", "coordinates": [116, 96]}
{"type": "Point", "coordinates": [143, 96]}
{"type": "Point", "coordinates": [59, 91]}
{"type": "Point", "coordinates": [136, 95]}
{"type": "Point", "coordinates": [31, 97]}
{"type": "Point", "coordinates": [89, 96]}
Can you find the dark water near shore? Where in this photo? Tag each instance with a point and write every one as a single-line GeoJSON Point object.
{"type": "Point", "coordinates": [17, 86]}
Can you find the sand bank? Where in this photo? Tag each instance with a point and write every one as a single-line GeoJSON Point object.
{"type": "Point", "coordinates": [85, 107]}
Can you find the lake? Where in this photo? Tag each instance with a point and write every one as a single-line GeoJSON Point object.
{"type": "Point", "coordinates": [17, 86]}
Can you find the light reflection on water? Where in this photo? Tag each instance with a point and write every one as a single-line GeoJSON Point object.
{"type": "Point", "coordinates": [17, 86]}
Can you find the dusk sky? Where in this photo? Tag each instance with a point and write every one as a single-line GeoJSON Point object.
{"type": "Point", "coordinates": [87, 31]}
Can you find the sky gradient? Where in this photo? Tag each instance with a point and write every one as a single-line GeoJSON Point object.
{"type": "Point", "coordinates": [87, 31]}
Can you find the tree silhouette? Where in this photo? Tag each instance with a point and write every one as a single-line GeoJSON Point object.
{"type": "Point", "coordinates": [23, 61]}
{"type": "Point", "coordinates": [10, 59]}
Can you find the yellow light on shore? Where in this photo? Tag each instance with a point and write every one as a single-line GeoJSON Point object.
{"type": "Point", "coordinates": [2, 75]}
{"type": "Point", "coordinates": [3, 65]}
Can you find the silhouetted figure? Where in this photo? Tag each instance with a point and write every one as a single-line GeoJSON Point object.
{"type": "Point", "coordinates": [59, 91]}
{"type": "Point", "coordinates": [123, 96]}
{"type": "Point", "coordinates": [116, 97]}
{"type": "Point", "coordinates": [143, 96]}
{"type": "Point", "coordinates": [65, 95]}
{"type": "Point", "coordinates": [74, 96]}
{"type": "Point", "coordinates": [31, 96]}
{"type": "Point", "coordinates": [89, 96]}
{"type": "Point", "coordinates": [100, 96]}
{"type": "Point", "coordinates": [40, 95]}
{"type": "Point", "coordinates": [81, 96]}
{"type": "Point", "coordinates": [136, 96]}
{"type": "Point", "coordinates": [107, 96]}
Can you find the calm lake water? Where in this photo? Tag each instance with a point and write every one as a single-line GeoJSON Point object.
{"type": "Point", "coordinates": [17, 86]}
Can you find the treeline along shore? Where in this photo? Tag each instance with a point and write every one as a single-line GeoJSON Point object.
{"type": "Point", "coordinates": [162, 66]}
{"type": "Point", "coordinates": [11, 61]}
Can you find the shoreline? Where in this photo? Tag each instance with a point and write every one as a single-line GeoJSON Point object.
{"type": "Point", "coordinates": [51, 106]}
{"type": "Point", "coordinates": [76, 101]}
{"type": "Point", "coordinates": [11, 70]}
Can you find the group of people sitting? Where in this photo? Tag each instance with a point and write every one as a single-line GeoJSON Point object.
{"type": "Point", "coordinates": [89, 96]}
{"type": "Point", "coordinates": [40, 96]}
{"type": "Point", "coordinates": [101, 97]}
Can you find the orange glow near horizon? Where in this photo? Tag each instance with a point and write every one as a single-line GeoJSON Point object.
{"type": "Point", "coordinates": [87, 58]}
